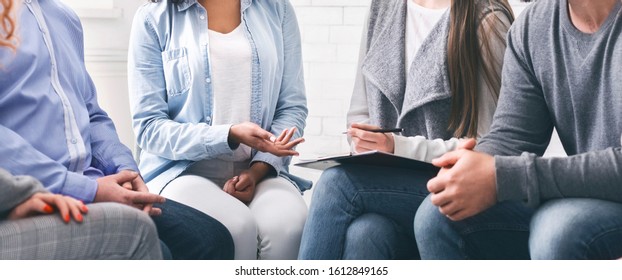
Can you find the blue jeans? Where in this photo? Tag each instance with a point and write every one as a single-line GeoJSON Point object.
{"type": "Point", "coordinates": [501, 232]}
{"type": "Point", "coordinates": [363, 212]}
{"type": "Point", "coordinates": [577, 229]}
{"type": "Point", "coordinates": [188, 234]}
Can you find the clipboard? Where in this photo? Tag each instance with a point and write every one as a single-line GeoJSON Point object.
{"type": "Point", "coordinates": [376, 158]}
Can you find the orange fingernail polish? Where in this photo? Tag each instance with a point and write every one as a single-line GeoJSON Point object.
{"type": "Point", "coordinates": [79, 218]}
{"type": "Point", "coordinates": [84, 208]}
{"type": "Point", "coordinates": [66, 218]}
{"type": "Point", "coordinates": [48, 209]}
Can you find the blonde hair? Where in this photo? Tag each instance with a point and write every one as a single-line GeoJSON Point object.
{"type": "Point", "coordinates": [7, 24]}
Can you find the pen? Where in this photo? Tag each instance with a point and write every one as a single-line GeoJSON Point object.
{"type": "Point", "coordinates": [383, 130]}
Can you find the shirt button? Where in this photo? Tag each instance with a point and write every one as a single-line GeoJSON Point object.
{"type": "Point", "coordinates": [73, 141]}
{"type": "Point", "coordinates": [28, 1]}
{"type": "Point", "coordinates": [202, 17]}
{"type": "Point", "coordinates": [208, 119]}
{"type": "Point", "coordinates": [208, 80]}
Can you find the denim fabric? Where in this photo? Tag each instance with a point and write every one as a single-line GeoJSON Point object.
{"type": "Point", "coordinates": [188, 234]}
{"type": "Point", "coordinates": [171, 91]}
{"type": "Point", "coordinates": [500, 232]}
{"type": "Point", "coordinates": [577, 229]}
{"type": "Point", "coordinates": [376, 237]}
{"type": "Point", "coordinates": [343, 194]}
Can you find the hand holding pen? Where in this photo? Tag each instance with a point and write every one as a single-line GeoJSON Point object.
{"type": "Point", "coordinates": [367, 137]}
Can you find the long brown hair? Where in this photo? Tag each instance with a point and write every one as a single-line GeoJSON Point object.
{"type": "Point", "coordinates": [7, 24]}
{"type": "Point", "coordinates": [466, 51]}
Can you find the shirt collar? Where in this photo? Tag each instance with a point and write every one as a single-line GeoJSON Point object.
{"type": "Point", "coordinates": [186, 4]}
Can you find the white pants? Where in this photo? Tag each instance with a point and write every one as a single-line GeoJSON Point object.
{"type": "Point", "coordinates": [270, 227]}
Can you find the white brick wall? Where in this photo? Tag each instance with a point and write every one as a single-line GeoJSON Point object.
{"type": "Point", "coordinates": [331, 32]}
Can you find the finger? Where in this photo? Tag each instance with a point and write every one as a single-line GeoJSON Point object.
{"type": "Point", "coordinates": [435, 185]}
{"type": "Point", "coordinates": [145, 198]}
{"type": "Point", "coordinates": [61, 205]}
{"type": "Point", "coordinates": [367, 145]}
{"type": "Point", "coordinates": [467, 144]}
{"type": "Point", "coordinates": [127, 185]}
{"type": "Point", "coordinates": [293, 143]}
{"type": "Point", "coordinates": [448, 159]}
{"type": "Point", "coordinates": [289, 135]}
{"type": "Point", "coordinates": [362, 134]}
{"type": "Point", "coordinates": [125, 176]}
{"type": "Point", "coordinates": [147, 208]}
{"type": "Point", "coordinates": [139, 185]}
{"type": "Point", "coordinates": [441, 198]}
{"type": "Point", "coordinates": [244, 196]}
{"type": "Point", "coordinates": [35, 206]}
{"type": "Point", "coordinates": [243, 183]}
{"type": "Point", "coordinates": [228, 188]}
{"type": "Point", "coordinates": [281, 136]}
{"type": "Point", "coordinates": [364, 126]}
{"type": "Point", "coordinates": [74, 209]}
{"type": "Point", "coordinates": [40, 206]}
{"type": "Point", "coordinates": [458, 216]}
{"type": "Point", "coordinates": [450, 208]}
{"type": "Point", "coordinates": [155, 212]}
{"type": "Point", "coordinates": [83, 207]}
{"type": "Point", "coordinates": [263, 134]}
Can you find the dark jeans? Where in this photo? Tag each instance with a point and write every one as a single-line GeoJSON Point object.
{"type": "Point", "coordinates": [501, 232]}
{"type": "Point", "coordinates": [188, 234]}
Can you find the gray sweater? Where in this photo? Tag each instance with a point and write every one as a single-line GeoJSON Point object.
{"type": "Point", "coordinates": [14, 190]}
{"type": "Point", "coordinates": [556, 76]}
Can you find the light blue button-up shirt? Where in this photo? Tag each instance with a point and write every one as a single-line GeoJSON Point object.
{"type": "Point", "coordinates": [50, 123]}
{"type": "Point", "coordinates": [171, 94]}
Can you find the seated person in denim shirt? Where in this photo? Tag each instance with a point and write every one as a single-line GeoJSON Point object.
{"type": "Point", "coordinates": [211, 82]}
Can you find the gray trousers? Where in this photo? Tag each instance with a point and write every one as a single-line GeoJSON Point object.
{"type": "Point", "coordinates": [109, 231]}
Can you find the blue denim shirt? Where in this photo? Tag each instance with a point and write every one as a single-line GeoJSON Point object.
{"type": "Point", "coordinates": [171, 94]}
{"type": "Point", "coordinates": [51, 126]}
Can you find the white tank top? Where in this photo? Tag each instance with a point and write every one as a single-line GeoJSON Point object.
{"type": "Point", "coordinates": [419, 23]}
{"type": "Point", "coordinates": [230, 61]}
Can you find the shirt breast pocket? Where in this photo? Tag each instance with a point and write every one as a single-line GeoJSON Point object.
{"type": "Point", "coordinates": [176, 71]}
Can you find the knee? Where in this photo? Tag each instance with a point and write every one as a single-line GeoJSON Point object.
{"type": "Point", "coordinates": [370, 228]}
{"type": "Point", "coordinates": [241, 224]}
{"type": "Point", "coordinates": [556, 230]}
{"type": "Point", "coordinates": [330, 182]}
{"type": "Point", "coordinates": [371, 236]}
{"type": "Point", "coordinates": [127, 221]}
{"type": "Point", "coordinates": [428, 221]}
{"type": "Point", "coordinates": [287, 225]}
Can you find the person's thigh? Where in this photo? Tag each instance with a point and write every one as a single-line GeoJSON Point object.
{"type": "Point", "coordinates": [346, 192]}
{"type": "Point", "coordinates": [206, 197]}
{"type": "Point", "coordinates": [109, 231]}
{"type": "Point", "coordinates": [501, 232]}
{"type": "Point", "coordinates": [577, 228]}
{"type": "Point", "coordinates": [280, 214]}
{"type": "Point", "coordinates": [375, 237]}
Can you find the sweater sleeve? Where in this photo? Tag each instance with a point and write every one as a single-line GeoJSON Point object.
{"type": "Point", "coordinates": [14, 190]}
{"type": "Point", "coordinates": [534, 179]}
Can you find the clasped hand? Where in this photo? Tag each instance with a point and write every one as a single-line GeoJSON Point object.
{"type": "Point", "coordinates": [127, 187]}
{"type": "Point", "coordinates": [466, 184]}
